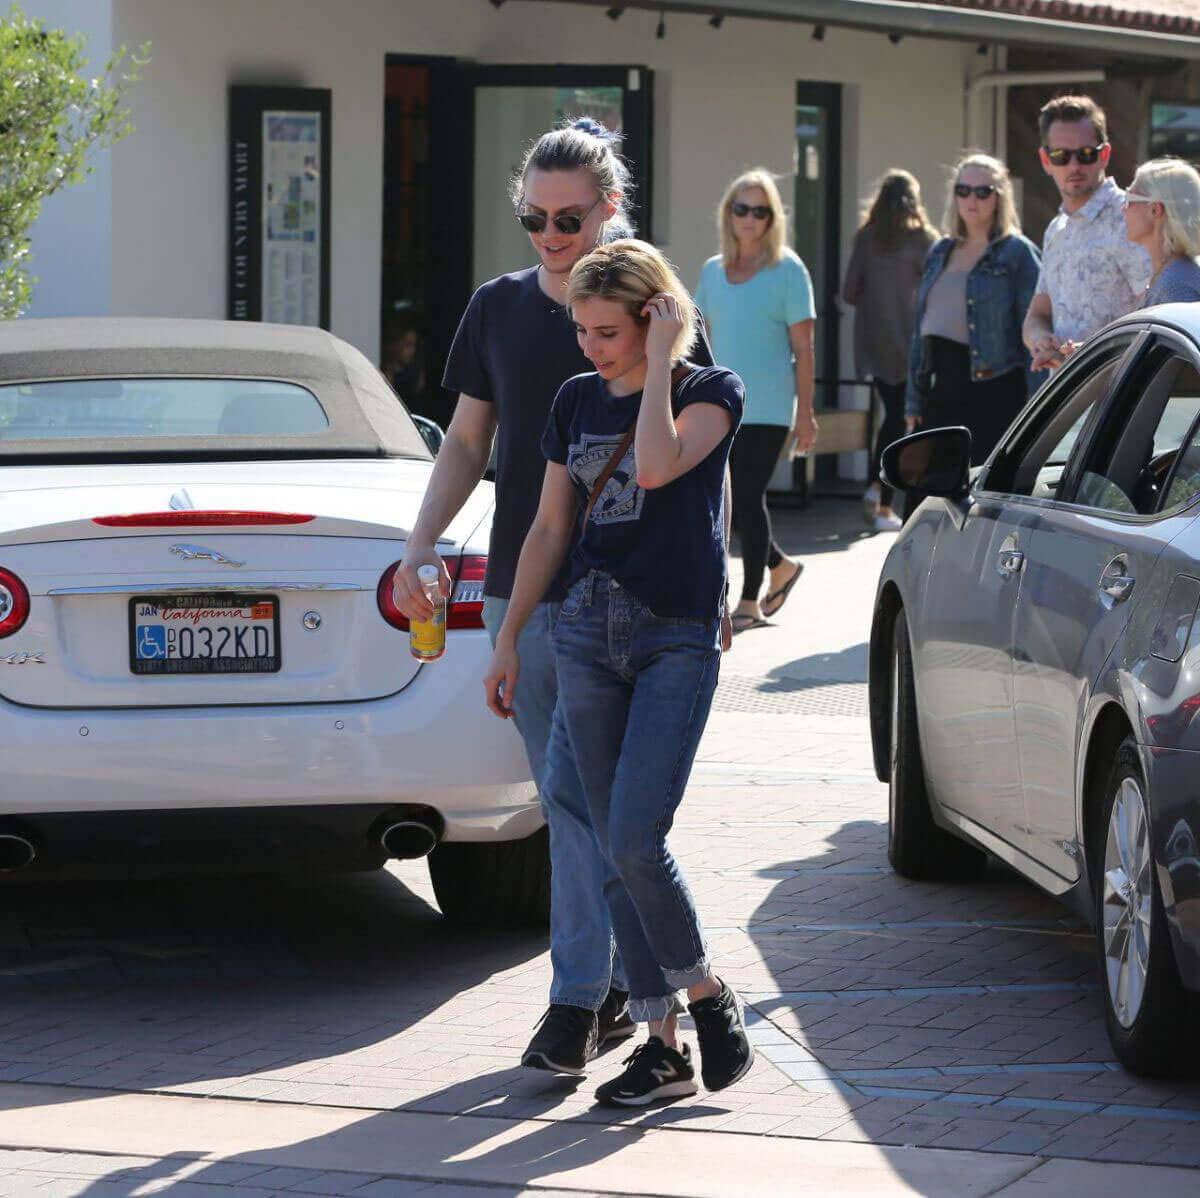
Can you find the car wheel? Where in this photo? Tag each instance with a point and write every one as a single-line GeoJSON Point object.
{"type": "Point", "coordinates": [496, 884]}
{"type": "Point", "coordinates": [1145, 1006]}
{"type": "Point", "coordinates": [917, 847]}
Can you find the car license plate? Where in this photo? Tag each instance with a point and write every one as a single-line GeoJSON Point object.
{"type": "Point", "coordinates": [204, 634]}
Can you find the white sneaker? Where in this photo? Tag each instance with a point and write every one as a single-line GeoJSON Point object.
{"type": "Point", "coordinates": [870, 502]}
{"type": "Point", "coordinates": [891, 523]}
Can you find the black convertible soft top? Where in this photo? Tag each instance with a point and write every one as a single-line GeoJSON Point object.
{"type": "Point", "coordinates": [366, 420]}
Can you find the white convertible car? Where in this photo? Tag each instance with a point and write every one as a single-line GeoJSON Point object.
{"type": "Point", "coordinates": [200, 661]}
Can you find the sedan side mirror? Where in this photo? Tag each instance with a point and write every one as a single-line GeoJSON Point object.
{"type": "Point", "coordinates": [936, 461]}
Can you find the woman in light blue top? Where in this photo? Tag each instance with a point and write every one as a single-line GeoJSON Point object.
{"type": "Point", "coordinates": [757, 299]}
{"type": "Point", "coordinates": [1162, 213]}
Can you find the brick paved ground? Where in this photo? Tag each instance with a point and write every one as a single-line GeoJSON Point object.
{"type": "Point", "coordinates": [884, 1011]}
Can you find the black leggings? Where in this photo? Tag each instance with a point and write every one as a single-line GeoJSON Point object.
{"type": "Point", "coordinates": [890, 429]}
{"type": "Point", "coordinates": [752, 459]}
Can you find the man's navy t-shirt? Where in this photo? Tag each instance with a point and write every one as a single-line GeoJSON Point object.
{"type": "Point", "coordinates": [666, 546]}
{"type": "Point", "coordinates": [515, 347]}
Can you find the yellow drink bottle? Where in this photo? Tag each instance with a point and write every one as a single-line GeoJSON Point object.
{"type": "Point", "coordinates": [427, 638]}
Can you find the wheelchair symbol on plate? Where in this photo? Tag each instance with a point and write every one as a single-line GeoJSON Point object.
{"type": "Point", "coordinates": [152, 641]}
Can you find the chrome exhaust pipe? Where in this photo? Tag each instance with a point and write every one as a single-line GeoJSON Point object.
{"type": "Point", "coordinates": [15, 852]}
{"type": "Point", "coordinates": [413, 836]}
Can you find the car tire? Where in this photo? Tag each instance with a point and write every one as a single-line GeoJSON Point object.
{"type": "Point", "coordinates": [1146, 1008]}
{"type": "Point", "coordinates": [917, 847]}
{"type": "Point", "coordinates": [500, 884]}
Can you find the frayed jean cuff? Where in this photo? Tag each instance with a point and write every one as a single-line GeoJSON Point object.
{"type": "Point", "coordinates": [654, 1009]}
{"type": "Point", "coordinates": [681, 979]}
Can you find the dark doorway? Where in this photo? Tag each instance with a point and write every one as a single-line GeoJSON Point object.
{"type": "Point", "coordinates": [453, 134]}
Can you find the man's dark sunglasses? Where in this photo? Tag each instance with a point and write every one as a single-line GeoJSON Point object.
{"type": "Point", "coordinates": [1085, 155]}
{"type": "Point", "coordinates": [982, 191]}
{"type": "Point", "coordinates": [567, 222]}
{"type": "Point", "coordinates": [760, 211]}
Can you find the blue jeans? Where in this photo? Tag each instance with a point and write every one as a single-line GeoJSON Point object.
{"type": "Point", "coordinates": [636, 689]}
{"type": "Point", "coordinates": [581, 935]}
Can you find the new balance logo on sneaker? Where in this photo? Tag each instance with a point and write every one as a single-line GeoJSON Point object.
{"type": "Point", "coordinates": [652, 1072]}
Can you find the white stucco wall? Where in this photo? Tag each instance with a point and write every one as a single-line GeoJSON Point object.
{"type": "Point", "coordinates": [724, 100]}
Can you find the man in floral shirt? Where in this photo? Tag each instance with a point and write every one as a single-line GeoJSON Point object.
{"type": "Point", "coordinates": [1091, 272]}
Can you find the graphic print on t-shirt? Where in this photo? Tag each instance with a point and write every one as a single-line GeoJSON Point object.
{"type": "Point", "coordinates": [622, 499]}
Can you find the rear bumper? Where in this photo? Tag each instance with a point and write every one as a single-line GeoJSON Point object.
{"type": "Point", "coordinates": [433, 744]}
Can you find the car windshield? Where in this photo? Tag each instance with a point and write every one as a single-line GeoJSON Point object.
{"type": "Point", "coordinates": [135, 408]}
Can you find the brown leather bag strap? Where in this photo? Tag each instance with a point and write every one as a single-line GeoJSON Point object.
{"type": "Point", "coordinates": [622, 449]}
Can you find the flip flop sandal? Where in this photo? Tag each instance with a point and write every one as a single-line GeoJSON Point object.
{"type": "Point", "coordinates": [744, 623]}
{"type": "Point", "coordinates": [782, 593]}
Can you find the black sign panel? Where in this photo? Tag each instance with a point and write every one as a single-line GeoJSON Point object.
{"type": "Point", "coordinates": [279, 187]}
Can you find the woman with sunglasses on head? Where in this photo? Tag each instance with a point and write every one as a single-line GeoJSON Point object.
{"type": "Point", "coordinates": [756, 297]}
{"type": "Point", "coordinates": [635, 472]}
{"type": "Point", "coordinates": [881, 283]}
{"type": "Point", "coordinates": [967, 363]}
{"type": "Point", "coordinates": [1162, 214]}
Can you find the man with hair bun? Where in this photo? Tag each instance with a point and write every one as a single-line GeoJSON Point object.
{"type": "Point", "coordinates": [514, 348]}
{"type": "Point", "coordinates": [1091, 273]}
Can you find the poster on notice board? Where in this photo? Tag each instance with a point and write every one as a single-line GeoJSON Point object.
{"type": "Point", "coordinates": [279, 205]}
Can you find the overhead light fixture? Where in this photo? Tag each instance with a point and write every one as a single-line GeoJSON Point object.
{"type": "Point", "coordinates": [894, 38]}
{"type": "Point", "coordinates": [818, 33]}
{"type": "Point", "coordinates": [661, 31]}
{"type": "Point", "coordinates": [614, 13]}
{"type": "Point", "coordinates": [717, 20]}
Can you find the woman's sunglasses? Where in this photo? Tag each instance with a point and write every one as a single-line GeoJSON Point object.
{"type": "Point", "coordinates": [758, 211]}
{"type": "Point", "coordinates": [982, 191]}
{"type": "Point", "coordinates": [567, 222]}
{"type": "Point", "coordinates": [1085, 155]}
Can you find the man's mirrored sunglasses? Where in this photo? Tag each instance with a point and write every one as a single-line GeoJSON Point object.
{"type": "Point", "coordinates": [1085, 155]}
{"type": "Point", "coordinates": [567, 222]}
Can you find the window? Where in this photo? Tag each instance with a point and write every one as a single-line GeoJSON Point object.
{"type": "Point", "coordinates": [1142, 460]}
{"type": "Point", "coordinates": [1035, 463]}
{"type": "Point", "coordinates": [104, 409]}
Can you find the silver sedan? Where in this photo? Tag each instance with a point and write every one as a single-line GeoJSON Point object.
{"type": "Point", "coordinates": [1035, 664]}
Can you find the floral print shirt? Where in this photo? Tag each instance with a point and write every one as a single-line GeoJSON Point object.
{"type": "Point", "coordinates": [1090, 270]}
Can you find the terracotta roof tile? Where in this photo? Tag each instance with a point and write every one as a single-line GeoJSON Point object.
{"type": "Point", "coordinates": [1160, 16]}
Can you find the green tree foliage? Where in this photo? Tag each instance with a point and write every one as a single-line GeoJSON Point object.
{"type": "Point", "coordinates": [52, 115]}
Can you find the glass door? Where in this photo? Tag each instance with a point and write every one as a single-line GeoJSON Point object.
{"type": "Point", "coordinates": [512, 106]}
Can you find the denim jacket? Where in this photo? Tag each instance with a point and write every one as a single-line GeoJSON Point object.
{"type": "Point", "coordinates": [999, 289]}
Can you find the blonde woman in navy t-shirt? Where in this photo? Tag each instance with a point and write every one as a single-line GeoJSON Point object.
{"type": "Point", "coordinates": [639, 448]}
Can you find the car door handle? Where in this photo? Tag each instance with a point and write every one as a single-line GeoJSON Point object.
{"type": "Point", "coordinates": [1009, 562]}
{"type": "Point", "coordinates": [1115, 583]}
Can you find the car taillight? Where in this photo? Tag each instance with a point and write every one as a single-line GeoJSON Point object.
{"type": "Point", "coordinates": [14, 603]}
{"type": "Point", "coordinates": [194, 518]}
{"type": "Point", "coordinates": [466, 600]}
{"type": "Point", "coordinates": [466, 596]}
{"type": "Point", "coordinates": [387, 605]}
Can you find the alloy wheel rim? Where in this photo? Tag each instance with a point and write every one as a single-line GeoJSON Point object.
{"type": "Point", "coordinates": [1127, 899]}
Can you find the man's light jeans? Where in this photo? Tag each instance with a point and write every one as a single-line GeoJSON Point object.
{"type": "Point", "coordinates": [581, 936]}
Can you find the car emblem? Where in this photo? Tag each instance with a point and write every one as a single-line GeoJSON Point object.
{"type": "Point", "coordinates": [22, 658]}
{"type": "Point", "coordinates": [195, 553]}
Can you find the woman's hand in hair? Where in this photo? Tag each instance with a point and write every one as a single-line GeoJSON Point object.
{"type": "Point", "coordinates": [500, 681]}
{"type": "Point", "coordinates": [665, 325]}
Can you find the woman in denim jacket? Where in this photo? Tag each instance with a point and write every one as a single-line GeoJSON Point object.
{"type": "Point", "coordinates": [968, 364]}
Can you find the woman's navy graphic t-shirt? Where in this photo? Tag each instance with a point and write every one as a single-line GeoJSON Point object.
{"type": "Point", "coordinates": [666, 546]}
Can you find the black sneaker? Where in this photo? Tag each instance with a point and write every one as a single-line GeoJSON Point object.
{"type": "Point", "coordinates": [564, 1042]}
{"type": "Point", "coordinates": [653, 1071]}
{"type": "Point", "coordinates": [726, 1053]}
{"type": "Point", "coordinates": [613, 1017]}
